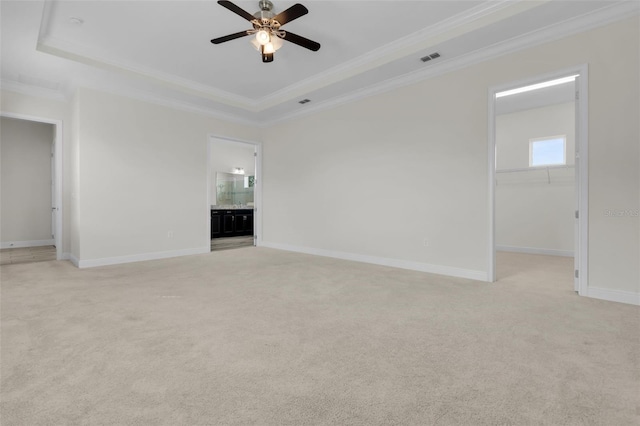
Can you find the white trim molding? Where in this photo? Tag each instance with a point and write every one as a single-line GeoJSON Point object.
{"type": "Point", "coordinates": [614, 13]}
{"type": "Point", "coordinates": [105, 261]}
{"type": "Point", "coordinates": [74, 260]}
{"type": "Point", "coordinates": [535, 250]}
{"type": "Point", "coordinates": [32, 90]}
{"type": "Point", "coordinates": [620, 296]}
{"type": "Point", "coordinates": [30, 243]}
{"type": "Point", "coordinates": [383, 261]}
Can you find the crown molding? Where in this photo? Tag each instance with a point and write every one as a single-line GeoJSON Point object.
{"type": "Point", "coordinates": [150, 98]}
{"type": "Point", "coordinates": [31, 90]}
{"type": "Point", "coordinates": [479, 16]}
{"type": "Point", "coordinates": [76, 52]}
{"type": "Point", "coordinates": [601, 17]}
{"type": "Point", "coordinates": [483, 14]}
{"type": "Point", "coordinates": [81, 54]}
{"type": "Point", "coordinates": [48, 44]}
{"type": "Point", "coordinates": [554, 32]}
{"type": "Point", "coordinates": [56, 95]}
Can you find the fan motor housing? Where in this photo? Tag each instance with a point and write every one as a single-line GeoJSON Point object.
{"type": "Point", "coordinates": [265, 5]}
{"type": "Point", "coordinates": [265, 12]}
{"type": "Point", "coordinates": [264, 15]}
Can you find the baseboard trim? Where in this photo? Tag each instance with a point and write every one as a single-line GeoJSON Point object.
{"type": "Point", "coordinates": [74, 260]}
{"type": "Point", "coordinates": [65, 256]}
{"type": "Point", "coordinates": [31, 243]}
{"type": "Point", "coordinates": [383, 261]}
{"type": "Point", "coordinates": [620, 296]}
{"type": "Point", "coordinates": [534, 250]}
{"type": "Point", "coordinates": [105, 261]}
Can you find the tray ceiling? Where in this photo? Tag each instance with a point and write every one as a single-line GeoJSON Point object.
{"type": "Point", "coordinates": [161, 51]}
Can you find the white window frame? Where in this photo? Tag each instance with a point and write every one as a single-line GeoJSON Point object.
{"type": "Point", "coordinates": [547, 138]}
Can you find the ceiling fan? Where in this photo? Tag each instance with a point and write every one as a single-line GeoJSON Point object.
{"type": "Point", "coordinates": [266, 27]}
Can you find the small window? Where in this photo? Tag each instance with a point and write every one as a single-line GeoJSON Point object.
{"type": "Point", "coordinates": [549, 151]}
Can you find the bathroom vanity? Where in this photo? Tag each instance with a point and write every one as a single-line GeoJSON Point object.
{"type": "Point", "coordinates": [231, 222]}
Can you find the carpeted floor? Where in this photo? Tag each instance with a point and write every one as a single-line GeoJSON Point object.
{"type": "Point", "coordinates": [266, 337]}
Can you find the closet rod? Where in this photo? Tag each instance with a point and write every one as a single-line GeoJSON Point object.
{"type": "Point", "coordinates": [532, 169]}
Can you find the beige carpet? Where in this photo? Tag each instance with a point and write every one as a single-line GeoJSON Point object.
{"type": "Point", "coordinates": [260, 336]}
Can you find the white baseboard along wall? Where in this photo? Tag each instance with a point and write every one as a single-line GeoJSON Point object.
{"type": "Point", "coordinates": [595, 293]}
{"type": "Point", "coordinates": [383, 261]}
{"type": "Point", "coordinates": [116, 260]}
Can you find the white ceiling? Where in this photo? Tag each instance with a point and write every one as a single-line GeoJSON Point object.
{"type": "Point", "coordinates": [161, 51]}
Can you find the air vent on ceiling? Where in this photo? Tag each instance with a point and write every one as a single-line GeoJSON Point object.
{"type": "Point", "coordinates": [304, 101]}
{"type": "Point", "coordinates": [434, 55]}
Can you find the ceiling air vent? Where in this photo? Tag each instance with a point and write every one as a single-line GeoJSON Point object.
{"type": "Point", "coordinates": [304, 101]}
{"type": "Point", "coordinates": [434, 55]}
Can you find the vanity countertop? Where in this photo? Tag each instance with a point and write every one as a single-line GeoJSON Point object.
{"type": "Point", "coordinates": [232, 207]}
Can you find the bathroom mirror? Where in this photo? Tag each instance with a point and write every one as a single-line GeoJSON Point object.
{"type": "Point", "coordinates": [233, 189]}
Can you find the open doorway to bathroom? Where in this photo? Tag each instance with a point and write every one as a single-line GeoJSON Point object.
{"type": "Point", "coordinates": [232, 193]}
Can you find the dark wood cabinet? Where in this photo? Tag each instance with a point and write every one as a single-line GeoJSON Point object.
{"type": "Point", "coordinates": [216, 223]}
{"type": "Point", "coordinates": [228, 226]}
{"type": "Point", "coordinates": [231, 223]}
{"type": "Point", "coordinates": [248, 224]}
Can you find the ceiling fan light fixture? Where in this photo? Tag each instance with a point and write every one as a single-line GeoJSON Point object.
{"type": "Point", "coordinates": [263, 37]}
{"type": "Point", "coordinates": [268, 48]}
{"type": "Point", "coordinates": [268, 37]}
{"type": "Point", "coordinates": [271, 46]}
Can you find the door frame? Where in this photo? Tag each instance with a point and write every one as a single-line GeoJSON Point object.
{"type": "Point", "coordinates": [57, 154]}
{"type": "Point", "coordinates": [581, 250]}
{"type": "Point", "coordinates": [257, 189]}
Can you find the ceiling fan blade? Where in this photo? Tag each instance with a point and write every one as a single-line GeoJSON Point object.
{"type": "Point", "coordinates": [237, 10]}
{"type": "Point", "coordinates": [301, 41]}
{"type": "Point", "coordinates": [294, 12]}
{"type": "Point", "coordinates": [230, 37]}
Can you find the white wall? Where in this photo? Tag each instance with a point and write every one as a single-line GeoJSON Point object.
{"type": "Point", "coordinates": [614, 157]}
{"type": "Point", "coordinates": [534, 209]}
{"type": "Point", "coordinates": [142, 175]}
{"type": "Point", "coordinates": [21, 104]}
{"type": "Point", "coordinates": [374, 178]}
{"type": "Point", "coordinates": [25, 151]}
{"type": "Point", "coordinates": [378, 176]}
{"type": "Point", "coordinates": [224, 156]}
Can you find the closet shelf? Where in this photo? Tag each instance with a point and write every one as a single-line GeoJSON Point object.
{"type": "Point", "coordinates": [534, 169]}
{"type": "Point", "coordinates": [537, 169]}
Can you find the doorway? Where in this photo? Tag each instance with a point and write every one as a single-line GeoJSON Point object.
{"type": "Point", "coordinates": [233, 193]}
{"type": "Point", "coordinates": [538, 176]}
{"type": "Point", "coordinates": [32, 181]}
